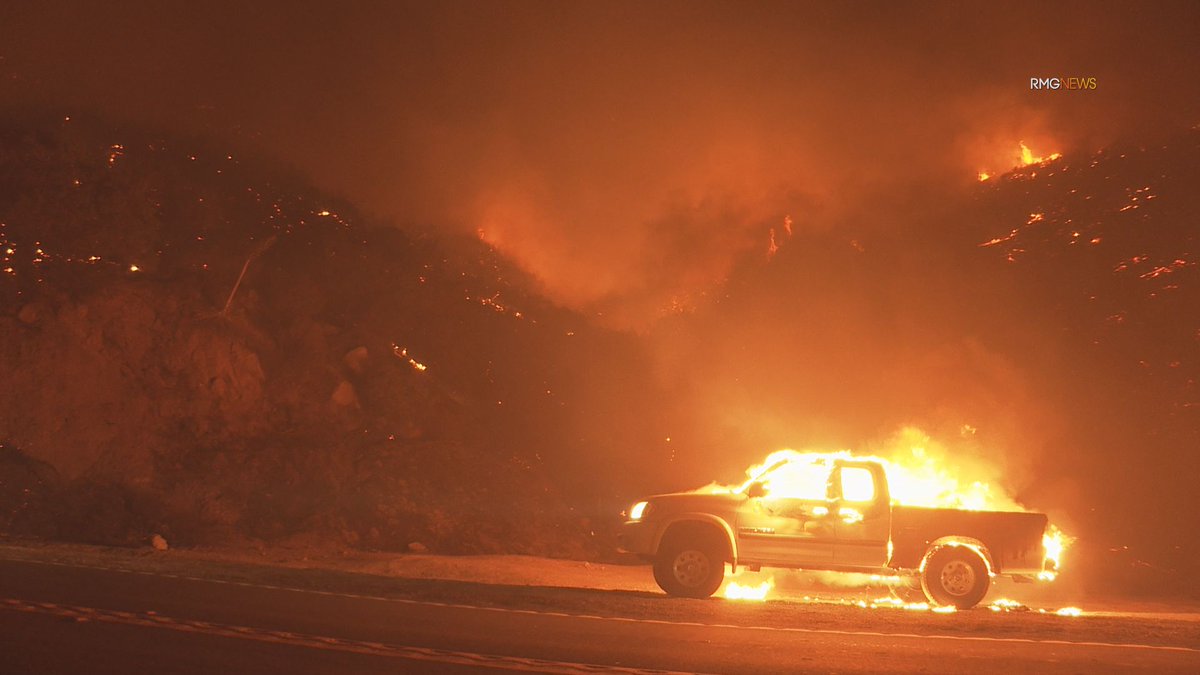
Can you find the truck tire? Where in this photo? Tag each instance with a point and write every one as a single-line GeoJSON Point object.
{"type": "Point", "coordinates": [689, 567]}
{"type": "Point", "coordinates": [955, 575]}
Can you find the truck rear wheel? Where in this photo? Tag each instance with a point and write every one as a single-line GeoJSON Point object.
{"type": "Point", "coordinates": [955, 575]}
{"type": "Point", "coordinates": [689, 567]}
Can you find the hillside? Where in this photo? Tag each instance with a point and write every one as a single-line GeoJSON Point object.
{"type": "Point", "coordinates": [1100, 252]}
{"type": "Point", "coordinates": [198, 347]}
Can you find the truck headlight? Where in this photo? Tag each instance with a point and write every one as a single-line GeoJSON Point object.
{"type": "Point", "coordinates": [638, 510]}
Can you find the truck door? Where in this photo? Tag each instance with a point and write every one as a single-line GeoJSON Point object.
{"type": "Point", "coordinates": [863, 515]}
{"type": "Point", "coordinates": [790, 523]}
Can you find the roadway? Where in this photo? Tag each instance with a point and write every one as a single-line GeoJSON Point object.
{"type": "Point", "coordinates": [63, 618]}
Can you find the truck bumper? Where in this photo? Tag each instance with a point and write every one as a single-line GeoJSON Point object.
{"type": "Point", "coordinates": [636, 537]}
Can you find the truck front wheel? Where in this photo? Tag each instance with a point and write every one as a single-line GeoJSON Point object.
{"type": "Point", "coordinates": [689, 567]}
{"type": "Point", "coordinates": [955, 575]}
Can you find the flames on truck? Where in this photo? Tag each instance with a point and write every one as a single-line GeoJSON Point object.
{"type": "Point", "coordinates": [908, 518]}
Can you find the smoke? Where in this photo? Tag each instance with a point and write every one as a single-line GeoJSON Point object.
{"type": "Point", "coordinates": [627, 156]}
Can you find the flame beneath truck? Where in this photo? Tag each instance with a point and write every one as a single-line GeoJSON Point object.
{"type": "Point", "coordinates": [736, 591]}
{"type": "Point", "coordinates": [865, 591]}
{"type": "Point", "coordinates": [920, 473]}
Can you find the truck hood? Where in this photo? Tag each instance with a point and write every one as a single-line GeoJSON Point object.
{"type": "Point", "coordinates": [687, 501]}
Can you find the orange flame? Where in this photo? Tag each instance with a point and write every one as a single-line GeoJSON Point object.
{"type": "Point", "coordinates": [1027, 156]}
{"type": "Point", "coordinates": [1055, 542]}
{"type": "Point", "coordinates": [1022, 157]}
{"type": "Point", "coordinates": [736, 591]}
{"type": "Point", "coordinates": [918, 475]}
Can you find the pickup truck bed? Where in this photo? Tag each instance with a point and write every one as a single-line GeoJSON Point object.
{"type": "Point", "coordinates": [1012, 539]}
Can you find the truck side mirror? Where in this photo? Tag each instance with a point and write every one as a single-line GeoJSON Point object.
{"type": "Point", "coordinates": [756, 490]}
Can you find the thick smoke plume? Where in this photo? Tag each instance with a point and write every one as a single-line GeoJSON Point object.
{"type": "Point", "coordinates": [628, 156]}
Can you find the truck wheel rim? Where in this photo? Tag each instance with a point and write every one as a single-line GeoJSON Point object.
{"type": "Point", "coordinates": [958, 578]}
{"type": "Point", "coordinates": [690, 567]}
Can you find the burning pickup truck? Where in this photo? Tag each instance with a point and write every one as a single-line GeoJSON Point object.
{"type": "Point", "coordinates": [835, 512]}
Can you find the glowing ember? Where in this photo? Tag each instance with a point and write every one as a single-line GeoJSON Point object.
{"type": "Point", "coordinates": [772, 247]}
{"type": "Point", "coordinates": [1070, 611]}
{"type": "Point", "coordinates": [773, 241]}
{"type": "Point", "coordinates": [1006, 605]}
{"type": "Point", "coordinates": [736, 591]}
{"type": "Point", "coordinates": [897, 603]}
{"type": "Point", "coordinates": [1000, 240]}
{"type": "Point", "coordinates": [402, 352]}
{"type": "Point", "coordinates": [983, 175]}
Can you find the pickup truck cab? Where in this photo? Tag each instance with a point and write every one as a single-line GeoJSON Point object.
{"type": "Point", "coordinates": [831, 512]}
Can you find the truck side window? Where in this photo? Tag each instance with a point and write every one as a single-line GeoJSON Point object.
{"type": "Point", "coordinates": [799, 480]}
{"type": "Point", "coordinates": [858, 484]}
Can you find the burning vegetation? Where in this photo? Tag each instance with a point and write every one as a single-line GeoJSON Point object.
{"type": "Point", "coordinates": [1023, 157]}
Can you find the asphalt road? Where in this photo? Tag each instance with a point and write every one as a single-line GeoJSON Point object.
{"type": "Point", "coordinates": [57, 618]}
